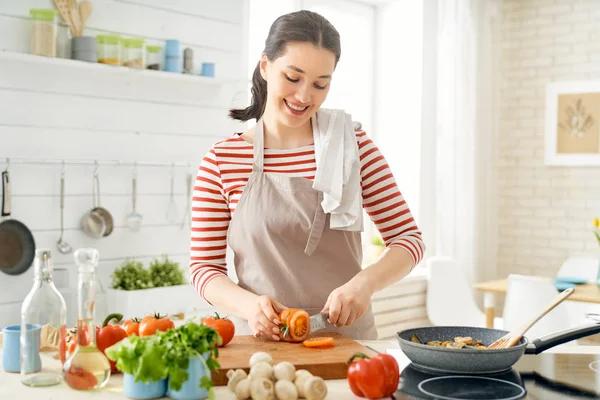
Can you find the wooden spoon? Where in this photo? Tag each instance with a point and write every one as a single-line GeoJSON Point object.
{"type": "Point", "coordinates": [85, 9]}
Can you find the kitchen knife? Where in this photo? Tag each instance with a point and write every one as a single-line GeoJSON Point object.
{"type": "Point", "coordinates": [318, 321]}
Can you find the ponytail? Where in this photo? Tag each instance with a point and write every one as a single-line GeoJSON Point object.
{"type": "Point", "coordinates": [259, 99]}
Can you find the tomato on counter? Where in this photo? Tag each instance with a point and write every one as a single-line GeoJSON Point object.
{"type": "Point", "coordinates": [374, 377]}
{"type": "Point", "coordinates": [223, 326]}
{"type": "Point", "coordinates": [132, 326]}
{"type": "Point", "coordinates": [109, 335]}
{"type": "Point", "coordinates": [152, 323]}
{"type": "Point", "coordinates": [296, 322]}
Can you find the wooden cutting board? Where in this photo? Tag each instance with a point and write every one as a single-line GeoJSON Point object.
{"type": "Point", "coordinates": [328, 363]}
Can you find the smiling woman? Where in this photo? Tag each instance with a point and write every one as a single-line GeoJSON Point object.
{"type": "Point", "coordinates": [287, 196]}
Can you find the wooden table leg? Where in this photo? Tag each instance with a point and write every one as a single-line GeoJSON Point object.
{"type": "Point", "coordinates": [489, 304]}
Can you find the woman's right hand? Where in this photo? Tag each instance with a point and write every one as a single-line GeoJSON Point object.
{"type": "Point", "coordinates": [263, 317]}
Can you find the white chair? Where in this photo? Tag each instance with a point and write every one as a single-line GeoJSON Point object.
{"type": "Point", "coordinates": [580, 266]}
{"type": "Point", "coordinates": [526, 297]}
{"type": "Point", "coordinates": [449, 297]}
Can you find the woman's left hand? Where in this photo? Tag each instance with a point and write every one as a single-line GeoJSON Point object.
{"type": "Point", "coordinates": [347, 303]}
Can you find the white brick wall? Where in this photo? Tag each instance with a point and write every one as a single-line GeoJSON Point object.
{"type": "Point", "coordinates": [545, 213]}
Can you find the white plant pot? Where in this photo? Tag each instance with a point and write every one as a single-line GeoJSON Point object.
{"type": "Point", "coordinates": [163, 300]}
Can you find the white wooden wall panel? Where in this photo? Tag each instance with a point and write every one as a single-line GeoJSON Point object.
{"type": "Point", "coordinates": [68, 110]}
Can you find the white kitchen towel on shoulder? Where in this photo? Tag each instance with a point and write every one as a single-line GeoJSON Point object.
{"type": "Point", "coordinates": [338, 169]}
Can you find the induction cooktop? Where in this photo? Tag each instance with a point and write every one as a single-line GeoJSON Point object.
{"type": "Point", "coordinates": [545, 376]}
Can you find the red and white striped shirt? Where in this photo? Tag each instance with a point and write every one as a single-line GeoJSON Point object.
{"type": "Point", "coordinates": [225, 170]}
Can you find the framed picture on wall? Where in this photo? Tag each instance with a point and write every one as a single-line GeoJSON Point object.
{"type": "Point", "coordinates": [573, 123]}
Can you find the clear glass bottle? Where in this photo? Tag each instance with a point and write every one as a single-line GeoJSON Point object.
{"type": "Point", "coordinates": [44, 309]}
{"type": "Point", "coordinates": [87, 368]}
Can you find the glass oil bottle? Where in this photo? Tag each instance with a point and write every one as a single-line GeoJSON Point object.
{"type": "Point", "coordinates": [87, 368]}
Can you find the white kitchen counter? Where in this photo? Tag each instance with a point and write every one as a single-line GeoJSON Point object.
{"type": "Point", "coordinates": [10, 383]}
{"type": "Point", "coordinates": [11, 386]}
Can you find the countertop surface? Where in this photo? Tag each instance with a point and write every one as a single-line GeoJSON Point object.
{"type": "Point", "coordinates": [10, 385]}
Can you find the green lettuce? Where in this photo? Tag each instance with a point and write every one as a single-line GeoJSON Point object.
{"type": "Point", "coordinates": [167, 354]}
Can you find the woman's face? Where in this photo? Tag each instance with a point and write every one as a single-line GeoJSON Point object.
{"type": "Point", "coordinates": [297, 82]}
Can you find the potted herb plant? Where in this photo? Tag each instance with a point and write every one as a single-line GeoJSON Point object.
{"type": "Point", "coordinates": [136, 290]}
{"type": "Point", "coordinates": [177, 362]}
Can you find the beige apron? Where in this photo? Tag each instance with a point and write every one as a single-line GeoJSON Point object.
{"type": "Point", "coordinates": [284, 248]}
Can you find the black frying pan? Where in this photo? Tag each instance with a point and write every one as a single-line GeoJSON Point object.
{"type": "Point", "coordinates": [472, 361]}
{"type": "Point", "coordinates": [17, 247]}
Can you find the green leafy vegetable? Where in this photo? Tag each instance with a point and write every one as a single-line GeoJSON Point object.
{"type": "Point", "coordinates": [166, 273]}
{"type": "Point", "coordinates": [152, 358]}
{"type": "Point", "coordinates": [131, 276]}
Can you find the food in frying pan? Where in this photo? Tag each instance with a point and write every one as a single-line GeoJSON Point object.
{"type": "Point", "coordinates": [459, 342]}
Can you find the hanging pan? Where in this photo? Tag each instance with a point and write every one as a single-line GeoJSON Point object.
{"type": "Point", "coordinates": [17, 247]}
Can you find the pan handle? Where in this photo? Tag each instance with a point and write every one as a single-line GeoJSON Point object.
{"type": "Point", "coordinates": [554, 339]}
{"type": "Point", "coordinates": [6, 194]}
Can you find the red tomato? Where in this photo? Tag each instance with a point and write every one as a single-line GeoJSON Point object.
{"type": "Point", "coordinates": [132, 326]}
{"type": "Point", "coordinates": [151, 324]}
{"type": "Point", "coordinates": [223, 326]}
{"type": "Point", "coordinates": [297, 322]}
{"type": "Point", "coordinates": [80, 379]}
{"type": "Point", "coordinates": [375, 377]}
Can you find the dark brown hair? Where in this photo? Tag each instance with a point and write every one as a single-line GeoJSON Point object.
{"type": "Point", "coordinates": [299, 26]}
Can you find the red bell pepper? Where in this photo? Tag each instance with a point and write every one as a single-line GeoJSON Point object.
{"type": "Point", "coordinates": [109, 335]}
{"type": "Point", "coordinates": [373, 378]}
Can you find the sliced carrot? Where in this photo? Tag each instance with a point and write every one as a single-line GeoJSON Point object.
{"type": "Point", "coordinates": [319, 342]}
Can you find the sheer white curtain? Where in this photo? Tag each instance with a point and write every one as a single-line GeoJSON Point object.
{"type": "Point", "coordinates": [465, 135]}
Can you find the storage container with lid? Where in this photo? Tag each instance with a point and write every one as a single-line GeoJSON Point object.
{"type": "Point", "coordinates": [172, 55]}
{"type": "Point", "coordinates": [153, 57]}
{"type": "Point", "coordinates": [43, 32]}
{"type": "Point", "coordinates": [109, 49]}
{"type": "Point", "coordinates": [133, 52]}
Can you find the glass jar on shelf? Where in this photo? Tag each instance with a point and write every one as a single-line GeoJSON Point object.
{"type": "Point", "coordinates": [43, 32]}
{"type": "Point", "coordinates": [153, 58]}
{"type": "Point", "coordinates": [87, 368]}
{"type": "Point", "coordinates": [133, 53]}
{"type": "Point", "coordinates": [109, 49]}
{"type": "Point", "coordinates": [43, 316]}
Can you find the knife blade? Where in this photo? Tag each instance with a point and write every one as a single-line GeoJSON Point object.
{"type": "Point", "coordinates": [318, 321]}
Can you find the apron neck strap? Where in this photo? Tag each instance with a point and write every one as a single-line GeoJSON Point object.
{"type": "Point", "coordinates": [259, 146]}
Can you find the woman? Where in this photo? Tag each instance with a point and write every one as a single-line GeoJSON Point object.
{"type": "Point", "coordinates": [254, 191]}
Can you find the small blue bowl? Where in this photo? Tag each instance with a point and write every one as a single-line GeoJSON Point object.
{"type": "Point", "coordinates": [577, 280]}
{"type": "Point", "coordinates": [191, 389]}
{"type": "Point", "coordinates": [141, 390]}
{"type": "Point", "coordinates": [561, 286]}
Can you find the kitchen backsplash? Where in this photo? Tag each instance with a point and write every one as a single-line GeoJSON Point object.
{"type": "Point", "coordinates": [69, 111]}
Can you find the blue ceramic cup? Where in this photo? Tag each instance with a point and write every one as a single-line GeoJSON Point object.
{"type": "Point", "coordinates": [191, 389]}
{"type": "Point", "coordinates": [141, 390]}
{"type": "Point", "coordinates": [208, 69]}
{"type": "Point", "coordinates": [11, 348]}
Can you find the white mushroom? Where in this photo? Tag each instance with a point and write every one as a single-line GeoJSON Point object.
{"type": "Point", "coordinates": [262, 389]}
{"type": "Point", "coordinates": [260, 356]}
{"type": "Point", "coordinates": [234, 377]}
{"type": "Point", "coordinates": [301, 372]}
{"type": "Point", "coordinates": [285, 370]}
{"type": "Point", "coordinates": [302, 376]}
{"type": "Point", "coordinates": [261, 369]}
{"type": "Point", "coordinates": [242, 390]}
{"type": "Point", "coordinates": [285, 390]}
{"type": "Point", "coordinates": [315, 388]}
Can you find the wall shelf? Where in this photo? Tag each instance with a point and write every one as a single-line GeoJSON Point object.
{"type": "Point", "coordinates": [114, 69]}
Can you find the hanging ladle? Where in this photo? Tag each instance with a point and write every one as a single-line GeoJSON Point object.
{"type": "Point", "coordinates": [133, 220]}
{"type": "Point", "coordinates": [172, 207]}
{"type": "Point", "coordinates": [61, 245]}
